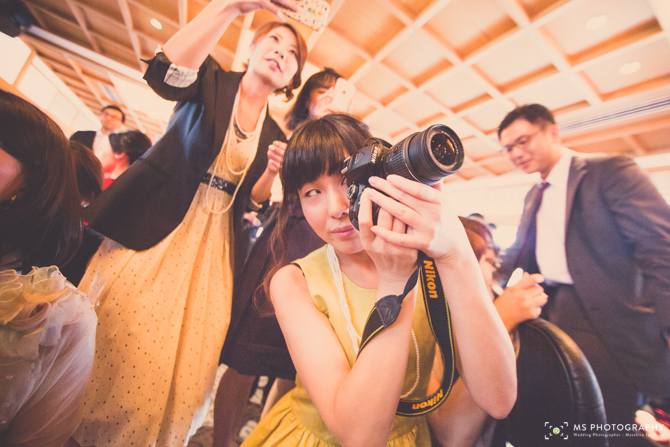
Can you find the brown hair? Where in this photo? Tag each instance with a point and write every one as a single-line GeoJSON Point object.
{"type": "Point", "coordinates": [88, 170]}
{"type": "Point", "coordinates": [479, 236]}
{"type": "Point", "coordinates": [299, 112]}
{"type": "Point", "coordinates": [302, 54]}
{"type": "Point", "coordinates": [43, 224]}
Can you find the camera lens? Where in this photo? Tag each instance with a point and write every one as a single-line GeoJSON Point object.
{"type": "Point", "coordinates": [442, 149]}
{"type": "Point", "coordinates": [426, 157]}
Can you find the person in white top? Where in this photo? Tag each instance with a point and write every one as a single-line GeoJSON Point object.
{"type": "Point", "coordinates": [47, 327]}
{"type": "Point", "coordinates": [601, 240]}
{"type": "Point", "coordinates": [112, 119]}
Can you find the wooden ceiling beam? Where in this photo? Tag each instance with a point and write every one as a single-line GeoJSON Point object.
{"type": "Point", "coordinates": [91, 10]}
{"type": "Point", "coordinates": [35, 13]}
{"type": "Point", "coordinates": [394, 43]}
{"type": "Point", "coordinates": [112, 42]}
{"type": "Point", "coordinates": [63, 68]}
{"type": "Point", "coordinates": [134, 39]}
{"type": "Point", "coordinates": [153, 13]}
{"type": "Point", "coordinates": [79, 17]}
{"type": "Point", "coordinates": [43, 38]}
{"type": "Point", "coordinates": [53, 14]}
{"type": "Point", "coordinates": [396, 12]}
{"type": "Point", "coordinates": [661, 9]}
{"type": "Point", "coordinates": [552, 50]}
{"type": "Point", "coordinates": [617, 46]}
{"type": "Point", "coordinates": [561, 61]}
{"type": "Point", "coordinates": [86, 80]}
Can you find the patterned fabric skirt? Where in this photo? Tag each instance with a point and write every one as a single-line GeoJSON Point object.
{"type": "Point", "coordinates": [163, 314]}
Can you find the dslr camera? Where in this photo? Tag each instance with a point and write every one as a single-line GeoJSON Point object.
{"type": "Point", "coordinates": [426, 157]}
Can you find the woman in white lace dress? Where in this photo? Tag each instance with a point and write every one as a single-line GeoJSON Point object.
{"type": "Point", "coordinates": [47, 327]}
{"type": "Point", "coordinates": [170, 221]}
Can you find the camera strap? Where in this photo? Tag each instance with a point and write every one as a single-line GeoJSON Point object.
{"type": "Point", "coordinates": [386, 311]}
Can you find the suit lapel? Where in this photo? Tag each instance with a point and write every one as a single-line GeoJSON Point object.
{"type": "Point", "coordinates": [577, 172]}
{"type": "Point", "coordinates": [225, 99]}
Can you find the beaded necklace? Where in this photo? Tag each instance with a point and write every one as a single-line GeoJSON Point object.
{"type": "Point", "coordinates": [240, 143]}
{"type": "Point", "coordinates": [334, 263]}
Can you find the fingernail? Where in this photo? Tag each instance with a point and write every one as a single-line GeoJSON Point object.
{"type": "Point", "coordinates": [281, 16]}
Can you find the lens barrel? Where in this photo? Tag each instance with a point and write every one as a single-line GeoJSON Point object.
{"type": "Point", "coordinates": [426, 157]}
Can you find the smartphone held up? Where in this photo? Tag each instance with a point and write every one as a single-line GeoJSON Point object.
{"type": "Point", "coordinates": [312, 13]}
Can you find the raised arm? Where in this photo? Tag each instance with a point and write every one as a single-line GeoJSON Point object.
{"type": "Point", "coordinates": [190, 45]}
{"type": "Point", "coordinates": [486, 352]}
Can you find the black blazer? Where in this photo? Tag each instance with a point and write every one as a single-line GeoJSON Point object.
{"type": "Point", "coordinates": [85, 137]}
{"type": "Point", "coordinates": [149, 200]}
{"type": "Point", "coordinates": [617, 245]}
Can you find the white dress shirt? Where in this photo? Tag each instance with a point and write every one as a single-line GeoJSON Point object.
{"type": "Point", "coordinates": [101, 144]}
{"type": "Point", "coordinates": [551, 224]}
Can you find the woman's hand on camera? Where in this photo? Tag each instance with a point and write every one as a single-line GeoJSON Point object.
{"type": "Point", "coordinates": [432, 226]}
{"type": "Point", "coordinates": [395, 263]}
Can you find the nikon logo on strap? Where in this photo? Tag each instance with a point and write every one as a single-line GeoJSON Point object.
{"type": "Point", "coordinates": [430, 274]}
{"type": "Point", "coordinates": [430, 402]}
{"type": "Point", "coordinates": [439, 320]}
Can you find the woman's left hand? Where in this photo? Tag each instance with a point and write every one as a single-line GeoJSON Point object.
{"type": "Point", "coordinates": [432, 226]}
{"type": "Point", "coordinates": [395, 263]}
{"type": "Point", "coordinates": [275, 156]}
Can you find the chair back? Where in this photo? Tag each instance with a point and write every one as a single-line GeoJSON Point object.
{"type": "Point", "coordinates": [558, 394]}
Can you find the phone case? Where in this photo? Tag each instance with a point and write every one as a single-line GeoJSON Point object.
{"type": "Point", "coordinates": [312, 13]}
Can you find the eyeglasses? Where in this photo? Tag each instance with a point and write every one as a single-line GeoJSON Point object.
{"type": "Point", "coordinates": [520, 142]}
{"type": "Point", "coordinates": [112, 116]}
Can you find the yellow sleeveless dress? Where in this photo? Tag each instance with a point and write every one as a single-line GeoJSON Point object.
{"type": "Point", "coordinates": [294, 420]}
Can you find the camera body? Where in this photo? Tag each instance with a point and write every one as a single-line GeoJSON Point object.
{"type": "Point", "coordinates": [426, 157]}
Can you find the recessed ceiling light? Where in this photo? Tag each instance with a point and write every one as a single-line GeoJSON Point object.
{"type": "Point", "coordinates": [156, 24]}
{"type": "Point", "coordinates": [596, 22]}
{"type": "Point", "coordinates": [629, 68]}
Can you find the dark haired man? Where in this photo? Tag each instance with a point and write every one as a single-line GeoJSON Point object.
{"type": "Point", "coordinates": [601, 239]}
{"type": "Point", "coordinates": [112, 119]}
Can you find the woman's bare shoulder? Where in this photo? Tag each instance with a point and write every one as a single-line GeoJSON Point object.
{"type": "Point", "coordinates": [288, 283]}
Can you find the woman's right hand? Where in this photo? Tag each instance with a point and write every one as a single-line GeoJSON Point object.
{"type": "Point", "coordinates": [241, 7]}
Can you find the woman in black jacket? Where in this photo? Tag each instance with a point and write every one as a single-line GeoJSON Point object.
{"type": "Point", "coordinates": [168, 258]}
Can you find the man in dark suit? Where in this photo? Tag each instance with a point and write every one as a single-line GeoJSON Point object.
{"type": "Point", "coordinates": [112, 119]}
{"type": "Point", "coordinates": [601, 239]}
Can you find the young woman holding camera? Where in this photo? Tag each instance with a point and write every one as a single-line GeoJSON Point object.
{"type": "Point", "coordinates": [322, 302]}
{"type": "Point", "coordinates": [254, 345]}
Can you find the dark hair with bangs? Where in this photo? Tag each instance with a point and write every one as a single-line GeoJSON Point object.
{"type": "Point", "coordinates": [318, 147]}
{"type": "Point", "coordinates": [132, 142]}
{"type": "Point", "coordinates": [43, 225]}
{"type": "Point", "coordinates": [299, 112]}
